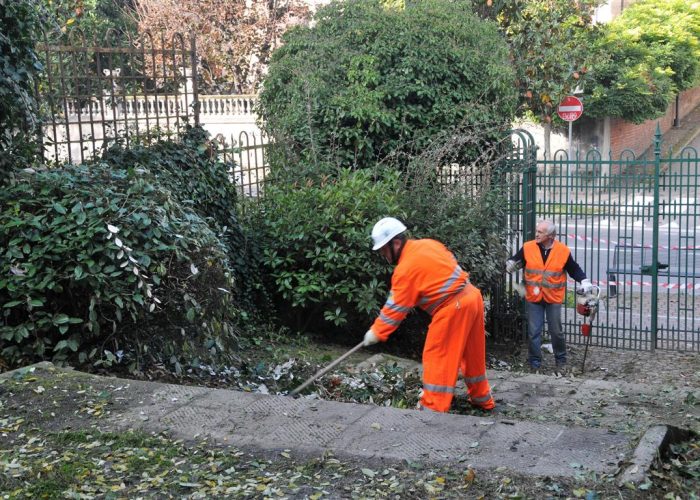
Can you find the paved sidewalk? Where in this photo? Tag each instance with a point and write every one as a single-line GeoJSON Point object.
{"type": "Point", "coordinates": [676, 138]}
{"type": "Point", "coordinates": [311, 427]}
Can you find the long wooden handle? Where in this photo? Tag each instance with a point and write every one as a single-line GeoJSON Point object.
{"type": "Point", "coordinates": [325, 370]}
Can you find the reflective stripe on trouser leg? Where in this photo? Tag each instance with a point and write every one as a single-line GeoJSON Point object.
{"type": "Point", "coordinates": [442, 353]}
{"type": "Point", "coordinates": [473, 362]}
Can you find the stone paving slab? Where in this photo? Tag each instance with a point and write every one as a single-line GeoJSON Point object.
{"type": "Point", "coordinates": [312, 427]}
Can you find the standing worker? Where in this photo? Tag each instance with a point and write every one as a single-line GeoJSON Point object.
{"type": "Point", "coordinates": [428, 276]}
{"type": "Point", "coordinates": [546, 262]}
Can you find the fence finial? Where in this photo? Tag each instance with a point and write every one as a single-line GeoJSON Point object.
{"type": "Point", "coordinates": [657, 141]}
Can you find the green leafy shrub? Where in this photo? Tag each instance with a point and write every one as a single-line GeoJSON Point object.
{"type": "Point", "coordinates": [462, 204]}
{"type": "Point", "coordinates": [472, 228]}
{"type": "Point", "coordinates": [643, 58]}
{"type": "Point", "coordinates": [368, 83]}
{"type": "Point", "coordinates": [317, 248]}
{"type": "Point", "coordinates": [670, 29]}
{"type": "Point", "coordinates": [110, 263]}
{"type": "Point", "coordinates": [371, 87]}
{"type": "Point", "coordinates": [316, 233]}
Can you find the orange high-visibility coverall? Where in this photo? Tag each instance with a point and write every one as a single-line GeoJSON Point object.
{"type": "Point", "coordinates": [428, 276]}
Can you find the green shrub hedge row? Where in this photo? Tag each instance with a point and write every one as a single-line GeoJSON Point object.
{"type": "Point", "coordinates": [317, 247]}
{"type": "Point", "coordinates": [114, 262]}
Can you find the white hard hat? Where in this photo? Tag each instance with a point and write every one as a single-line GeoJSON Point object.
{"type": "Point", "coordinates": [384, 230]}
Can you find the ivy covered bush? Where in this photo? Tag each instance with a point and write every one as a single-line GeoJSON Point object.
{"type": "Point", "coordinates": [20, 25]}
{"type": "Point", "coordinates": [317, 247]}
{"type": "Point", "coordinates": [189, 168]}
{"type": "Point", "coordinates": [112, 263]}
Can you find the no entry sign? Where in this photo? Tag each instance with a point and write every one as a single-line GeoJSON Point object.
{"type": "Point", "coordinates": [570, 109]}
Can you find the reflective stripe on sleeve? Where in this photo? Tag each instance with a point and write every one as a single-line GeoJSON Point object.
{"type": "Point", "coordinates": [390, 304]}
{"type": "Point", "coordinates": [389, 321]}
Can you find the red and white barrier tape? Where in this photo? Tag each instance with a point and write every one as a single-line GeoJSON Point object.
{"type": "Point", "coordinates": [668, 286]}
{"type": "Point", "coordinates": [636, 245]}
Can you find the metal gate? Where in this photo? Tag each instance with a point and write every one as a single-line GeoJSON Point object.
{"type": "Point", "coordinates": [98, 92]}
{"type": "Point", "coordinates": [633, 226]}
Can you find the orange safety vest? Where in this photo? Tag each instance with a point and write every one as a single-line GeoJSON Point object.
{"type": "Point", "coordinates": [545, 281]}
{"type": "Point", "coordinates": [426, 276]}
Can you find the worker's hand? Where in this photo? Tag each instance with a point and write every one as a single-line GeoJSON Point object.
{"type": "Point", "coordinates": [370, 338]}
{"type": "Point", "coordinates": [512, 265]}
{"type": "Point", "coordinates": [586, 286]}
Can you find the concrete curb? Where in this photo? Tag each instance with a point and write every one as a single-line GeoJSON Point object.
{"type": "Point", "coordinates": [652, 445]}
{"type": "Point", "coordinates": [43, 365]}
{"type": "Point", "coordinates": [648, 448]}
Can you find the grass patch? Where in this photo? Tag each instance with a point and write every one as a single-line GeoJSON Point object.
{"type": "Point", "coordinates": [569, 209]}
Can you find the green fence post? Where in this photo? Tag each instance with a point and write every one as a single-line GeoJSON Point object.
{"type": "Point", "coordinates": [655, 240]}
{"type": "Point", "coordinates": [529, 191]}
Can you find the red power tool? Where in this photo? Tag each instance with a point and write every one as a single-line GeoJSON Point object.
{"type": "Point", "coordinates": [587, 306]}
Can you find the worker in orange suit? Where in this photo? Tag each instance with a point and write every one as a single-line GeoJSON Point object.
{"type": "Point", "coordinates": [428, 276]}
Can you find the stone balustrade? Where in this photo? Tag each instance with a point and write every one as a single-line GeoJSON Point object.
{"type": "Point", "coordinates": [218, 106]}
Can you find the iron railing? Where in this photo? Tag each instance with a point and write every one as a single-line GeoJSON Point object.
{"type": "Point", "coordinates": [248, 155]}
{"type": "Point", "coordinates": [94, 93]}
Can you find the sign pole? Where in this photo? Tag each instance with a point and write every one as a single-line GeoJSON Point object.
{"type": "Point", "coordinates": [570, 109]}
{"type": "Point", "coordinates": [568, 164]}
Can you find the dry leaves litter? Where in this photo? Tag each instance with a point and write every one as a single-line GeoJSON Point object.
{"type": "Point", "coordinates": [54, 443]}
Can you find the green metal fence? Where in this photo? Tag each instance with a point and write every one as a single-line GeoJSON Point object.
{"type": "Point", "coordinates": [633, 224]}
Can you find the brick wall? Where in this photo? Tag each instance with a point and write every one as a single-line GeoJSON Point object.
{"type": "Point", "coordinates": [638, 138]}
